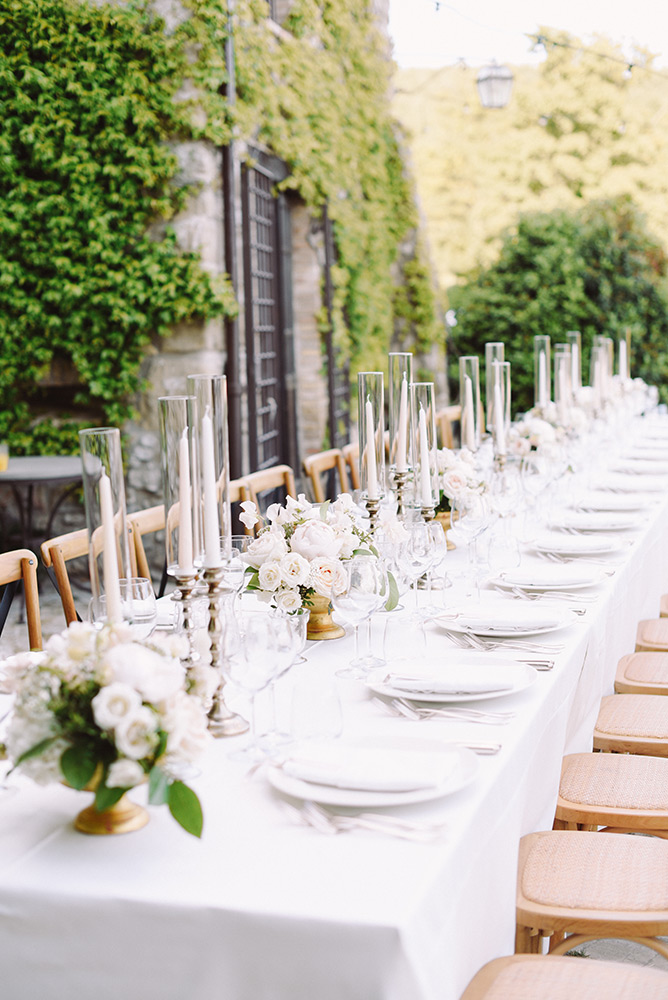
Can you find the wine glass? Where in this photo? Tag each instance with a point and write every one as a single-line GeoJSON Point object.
{"type": "Point", "coordinates": [234, 566]}
{"type": "Point", "coordinates": [439, 551]}
{"type": "Point", "coordinates": [250, 662]}
{"type": "Point", "coordinates": [286, 651]}
{"type": "Point", "coordinates": [363, 591]}
{"type": "Point", "coordinates": [138, 607]}
{"type": "Point", "coordinates": [416, 556]}
{"type": "Point", "coordinates": [470, 516]}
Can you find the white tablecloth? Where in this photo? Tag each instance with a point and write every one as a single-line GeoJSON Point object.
{"type": "Point", "coordinates": [261, 909]}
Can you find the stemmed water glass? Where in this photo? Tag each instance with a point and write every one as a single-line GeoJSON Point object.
{"type": "Point", "coordinates": [416, 556]}
{"type": "Point", "coordinates": [286, 652]}
{"type": "Point", "coordinates": [470, 516]}
{"type": "Point", "coordinates": [364, 590]}
{"type": "Point", "coordinates": [138, 607]}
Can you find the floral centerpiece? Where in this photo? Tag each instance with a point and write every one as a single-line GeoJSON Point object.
{"type": "Point", "coordinates": [299, 552]}
{"type": "Point", "coordinates": [458, 475]}
{"type": "Point", "coordinates": [102, 711]}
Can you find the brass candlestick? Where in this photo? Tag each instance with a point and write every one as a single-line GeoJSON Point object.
{"type": "Point", "coordinates": [373, 506]}
{"type": "Point", "coordinates": [400, 481]}
{"type": "Point", "coordinates": [184, 595]}
{"type": "Point", "coordinates": [222, 720]}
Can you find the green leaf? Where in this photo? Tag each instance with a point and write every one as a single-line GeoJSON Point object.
{"type": "Point", "coordinates": [105, 797]}
{"type": "Point", "coordinates": [36, 750]}
{"type": "Point", "coordinates": [393, 599]}
{"type": "Point", "coordinates": [185, 808]}
{"type": "Point", "coordinates": [78, 765]}
{"type": "Point", "coordinates": [158, 787]}
{"type": "Point", "coordinates": [362, 552]}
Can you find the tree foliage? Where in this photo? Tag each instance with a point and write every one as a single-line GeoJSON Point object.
{"type": "Point", "coordinates": [598, 270]}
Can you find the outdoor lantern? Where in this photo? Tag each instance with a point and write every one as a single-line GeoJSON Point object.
{"type": "Point", "coordinates": [495, 84]}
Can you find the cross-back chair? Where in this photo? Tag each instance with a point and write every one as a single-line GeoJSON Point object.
{"type": "Point", "coordinates": [276, 477]}
{"type": "Point", "coordinates": [315, 466]}
{"type": "Point", "coordinates": [20, 565]}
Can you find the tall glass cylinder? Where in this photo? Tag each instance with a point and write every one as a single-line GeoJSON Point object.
{"type": "Point", "coordinates": [469, 397]}
{"type": "Point", "coordinates": [624, 354]}
{"type": "Point", "coordinates": [562, 382]}
{"type": "Point", "coordinates": [371, 428]}
{"type": "Point", "coordinates": [541, 369]}
{"type": "Point", "coordinates": [104, 500]}
{"type": "Point", "coordinates": [598, 366]}
{"type": "Point", "coordinates": [494, 351]}
{"type": "Point", "coordinates": [497, 393]}
{"type": "Point", "coordinates": [423, 434]}
{"type": "Point", "coordinates": [180, 470]}
{"type": "Point", "coordinates": [401, 376]}
{"type": "Point", "coordinates": [212, 491]}
{"type": "Point", "coordinates": [574, 339]}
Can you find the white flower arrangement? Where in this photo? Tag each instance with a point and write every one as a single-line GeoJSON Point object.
{"type": "Point", "coordinates": [98, 706]}
{"type": "Point", "coordinates": [300, 549]}
{"type": "Point", "coordinates": [458, 475]}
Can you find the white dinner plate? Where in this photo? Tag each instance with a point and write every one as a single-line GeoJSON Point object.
{"type": "Point", "coordinates": [595, 521]}
{"type": "Point", "coordinates": [633, 484]}
{"type": "Point", "coordinates": [575, 545]}
{"type": "Point", "coordinates": [612, 502]}
{"type": "Point", "coordinates": [506, 619]}
{"type": "Point", "coordinates": [548, 577]}
{"type": "Point", "coordinates": [463, 772]}
{"type": "Point", "coordinates": [641, 466]}
{"type": "Point", "coordinates": [518, 675]}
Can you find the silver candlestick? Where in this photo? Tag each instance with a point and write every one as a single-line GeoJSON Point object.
{"type": "Point", "coordinates": [222, 720]}
{"type": "Point", "coordinates": [428, 513]}
{"type": "Point", "coordinates": [183, 595]}
{"type": "Point", "coordinates": [400, 481]}
{"type": "Point", "coordinates": [373, 506]}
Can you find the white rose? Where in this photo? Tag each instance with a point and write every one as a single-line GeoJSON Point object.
{"type": "Point", "coordinates": [323, 575]}
{"type": "Point", "coordinates": [125, 773]}
{"type": "Point", "coordinates": [186, 725]}
{"type": "Point", "coordinates": [294, 569]}
{"type": "Point", "coordinates": [270, 576]}
{"type": "Point", "coordinates": [288, 600]}
{"type": "Point", "coordinates": [315, 540]}
{"type": "Point", "coordinates": [155, 677]}
{"type": "Point", "coordinates": [136, 734]}
{"type": "Point", "coordinates": [15, 668]}
{"type": "Point", "coordinates": [113, 703]}
{"type": "Point", "coordinates": [348, 543]}
{"type": "Point", "coordinates": [270, 546]}
{"type": "Point", "coordinates": [454, 483]}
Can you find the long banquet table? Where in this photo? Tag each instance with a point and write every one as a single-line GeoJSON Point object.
{"type": "Point", "coordinates": [264, 909]}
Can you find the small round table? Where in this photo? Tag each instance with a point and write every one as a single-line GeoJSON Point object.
{"type": "Point", "coordinates": [24, 473]}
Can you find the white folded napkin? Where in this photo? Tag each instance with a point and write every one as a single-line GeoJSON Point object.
{"type": "Point", "coordinates": [550, 576]}
{"type": "Point", "coordinates": [472, 679]}
{"type": "Point", "coordinates": [369, 768]}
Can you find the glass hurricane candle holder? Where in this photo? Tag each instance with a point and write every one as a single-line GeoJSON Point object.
{"type": "Point", "coordinates": [423, 444]}
{"type": "Point", "coordinates": [371, 427]}
{"type": "Point", "coordinates": [494, 351]}
{"type": "Point", "coordinates": [624, 354]}
{"type": "Point", "coordinates": [401, 376]}
{"type": "Point", "coordinates": [574, 340]}
{"type": "Point", "coordinates": [212, 489]}
{"type": "Point", "coordinates": [469, 396]}
{"type": "Point", "coordinates": [563, 394]}
{"type": "Point", "coordinates": [104, 501]}
{"type": "Point", "coordinates": [542, 368]}
{"type": "Point", "coordinates": [180, 470]}
{"type": "Point", "coordinates": [498, 393]}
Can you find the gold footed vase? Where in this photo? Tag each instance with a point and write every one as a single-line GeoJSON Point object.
{"type": "Point", "coordinates": [444, 518]}
{"type": "Point", "coordinates": [123, 817]}
{"type": "Point", "coordinates": [320, 624]}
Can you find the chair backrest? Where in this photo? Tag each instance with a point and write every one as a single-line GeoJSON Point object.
{"type": "Point", "coordinates": [140, 523]}
{"type": "Point", "coordinates": [445, 419]}
{"type": "Point", "coordinates": [274, 478]}
{"type": "Point", "coordinates": [325, 461]}
{"type": "Point", "coordinates": [351, 454]}
{"type": "Point", "coordinates": [21, 564]}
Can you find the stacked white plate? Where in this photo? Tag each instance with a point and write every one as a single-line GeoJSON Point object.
{"type": "Point", "coordinates": [543, 576]}
{"type": "Point", "coordinates": [385, 774]}
{"type": "Point", "coordinates": [462, 676]}
{"type": "Point", "coordinates": [595, 521]}
{"type": "Point", "coordinates": [501, 617]}
{"type": "Point", "coordinates": [603, 501]}
{"type": "Point", "coordinates": [573, 546]}
{"type": "Point", "coordinates": [633, 484]}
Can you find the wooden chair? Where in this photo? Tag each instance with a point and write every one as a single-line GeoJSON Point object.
{"type": "Point", "coordinates": [652, 636]}
{"type": "Point", "coordinates": [15, 566]}
{"type": "Point", "coordinates": [623, 793]}
{"type": "Point", "coordinates": [351, 454]}
{"type": "Point", "coordinates": [552, 977]}
{"type": "Point", "coordinates": [445, 420]}
{"type": "Point", "coordinates": [140, 523]}
{"type": "Point", "coordinates": [663, 606]}
{"type": "Point", "coordinates": [277, 477]}
{"type": "Point", "coordinates": [325, 461]}
{"type": "Point", "coordinates": [642, 673]}
{"type": "Point", "coordinates": [591, 886]}
{"type": "Point", "coordinates": [632, 723]}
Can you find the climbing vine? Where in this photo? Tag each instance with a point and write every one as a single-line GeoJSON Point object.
{"type": "Point", "coordinates": [95, 97]}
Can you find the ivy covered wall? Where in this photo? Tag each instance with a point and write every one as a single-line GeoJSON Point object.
{"type": "Point", "coordinates": [91, 272]}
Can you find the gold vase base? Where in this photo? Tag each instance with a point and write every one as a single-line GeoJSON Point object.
{"type": "Point", "coordinates": [124, 817]}
{"type": "Point", "coordinates": [324, 630]}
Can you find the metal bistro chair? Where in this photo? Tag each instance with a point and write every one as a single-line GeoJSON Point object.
{"type": "Point", "coordinates": [20, 565]}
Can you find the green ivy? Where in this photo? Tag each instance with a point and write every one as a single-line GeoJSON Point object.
{"type": "Point", "coordinates": [89, 97]}
{"type": "Point", "coordinates": [94, 95]}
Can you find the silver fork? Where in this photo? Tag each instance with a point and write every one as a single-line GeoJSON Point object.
{"type": "Point", "coordinates": [481, 748]}
{"type": "Point", "coordinates": [468, 714]}
{"type": "Point", "coordinates": [468, 640]}
{"type": "Point", "coordinates": [526, 596]}
{"type": "Point", "coordinates": [325, 821]}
